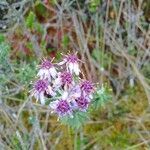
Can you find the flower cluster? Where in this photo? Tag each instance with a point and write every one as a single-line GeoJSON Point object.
{"type": "Point", "coordinates": [62, 83]}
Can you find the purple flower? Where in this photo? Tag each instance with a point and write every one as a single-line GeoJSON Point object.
{"type": "Point", "coordinates": [67, 92]}
{"type": "Point", "coordinates": [61, 107]}
{"type": "Point", "coordinates": [47, 70]}
{"type": "Point", "coordinates": [72, 58]}
{"type": "Point", "coordinates": [40, 87]}
{"type": "Point", "coordinates": [66, 78]}
{"type": "Point", "coordinates": [87, 86]}
{"type": "Point", "coordinates": [46, 64]}
{"type": "Point", "coordinates": [82, 103]}
{"type": "Point", "coordinates": [72, 65]}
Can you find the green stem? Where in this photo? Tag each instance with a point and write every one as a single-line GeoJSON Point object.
{"type": "Point", "coordinates": [70, 137]}
{"type": "Point", "coordinates": [76, 140]}
{"type": "Point", "coordinates": [78, 145]}
{"type": "Point", "coordinates": [81, 138]}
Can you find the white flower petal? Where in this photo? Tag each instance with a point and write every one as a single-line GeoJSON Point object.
{"type": "Point", "coordinates": [57, 83]}
{"type": "Point", "coordinates": [62, 62]}
{"type": "Point", "coordinates": [53, 72]}
{"type": "Point", "coordinates": [44, 74]}
{"type": "Point", "coordinates": [70, 67]}
{"type": "Point", "coordinates": [65, 95]}
{"type": "Point", "coordinates": [40, 73]}
{"type": "Point", "coordinates": [42, 99]}
{"type": "Point", "coordinates": [76, 69]}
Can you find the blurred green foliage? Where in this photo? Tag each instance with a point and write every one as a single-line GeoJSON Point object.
{"type": "Point", "coordinates": [104, 59]}
{"type": "Point", "coordinates": [14, 72]}
{"type": "Point", "coordinates": [26, 73]}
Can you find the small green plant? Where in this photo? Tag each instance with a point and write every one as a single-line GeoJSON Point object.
{"type": "Point", "coordinates": [70, 97]}
{"type": "Point", "coordinates": [30, 20]}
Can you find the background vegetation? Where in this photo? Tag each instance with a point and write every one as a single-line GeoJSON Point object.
{"type": "Point", "coordinates": [112, 38]}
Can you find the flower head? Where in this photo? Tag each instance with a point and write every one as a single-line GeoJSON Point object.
{"type": "Point", "coordinates": [47, 70]}
{"type": "Point", "coordinates": [61, 107]}
{"type": "Point", "coordinates": [46, 64]}
{"type": "Point", "coordinates": [41, 86]}
{"type": "Point", "coordinates": [71, 61]}
{"type": "Point", "coordinates": [82, 103]}
{"type": "Point", "coordinates": [66, 78]}
{"type": "Point", "coordinates": [87, 86]}
{"type": "Point", "coordinates": [72, 58]}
